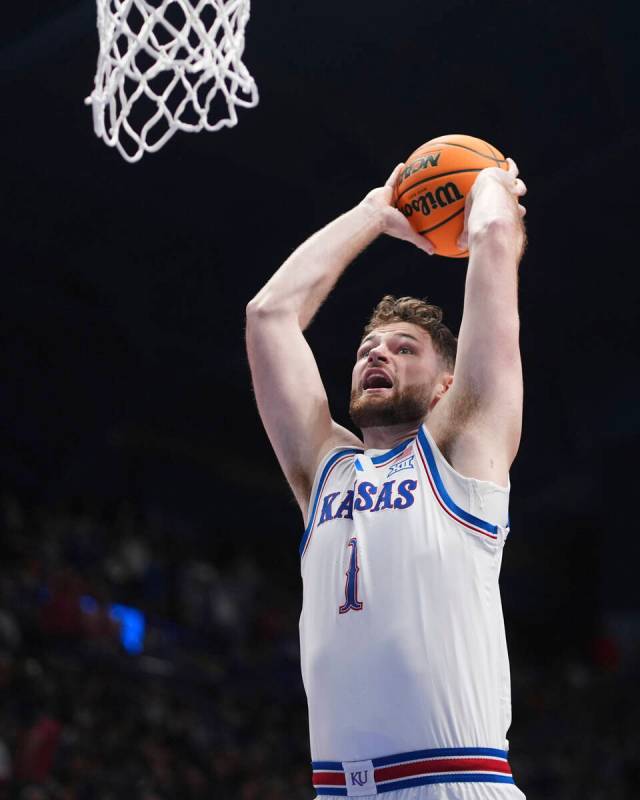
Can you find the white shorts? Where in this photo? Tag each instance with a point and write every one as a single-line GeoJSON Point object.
{"type": "Point", "coordinates": [450, 791]}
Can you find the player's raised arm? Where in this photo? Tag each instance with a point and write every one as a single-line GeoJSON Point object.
{"type": "Point", "coordinates": [289, 391]}
{"type": "Point", "coordinates": [480, 419]}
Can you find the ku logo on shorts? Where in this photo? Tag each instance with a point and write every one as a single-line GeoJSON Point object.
{"type": "Point", "coordinates": [360, 778]}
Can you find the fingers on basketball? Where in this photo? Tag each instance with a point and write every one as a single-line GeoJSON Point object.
{"type": "Point", "coordinates": [520, 188]}
{"type": "Point", "coordinates": [435, 183]}
{"type": "Point", "coordinates": [393, 178]}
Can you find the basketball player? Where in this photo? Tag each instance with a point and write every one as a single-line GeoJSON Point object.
{"type": "Point", "coordinates": [403, 648]}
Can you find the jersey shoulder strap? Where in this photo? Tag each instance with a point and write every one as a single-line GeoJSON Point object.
{"type": "Point", "coordinates": [480, 502]}
{"type": "Point", "coordinates": [333, 458]}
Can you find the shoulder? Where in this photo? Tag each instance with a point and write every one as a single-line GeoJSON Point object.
{"type": "Point", "coordinates": [335, 470]}
{"type": "Point", "coordinates": [476, 502]}
{"type": "Point", "coordinates": [336, 453]}
{"type": "Point", "coordinates": [466, 436]}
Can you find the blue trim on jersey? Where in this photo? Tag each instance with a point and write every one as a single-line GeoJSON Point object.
{"type": "Point", "coordinates": [419, 755]}
{"type": "Point", "coordinates": [330, 766]}
{"type": "Point", "coordinates": [447, 499]}
{"type": "Point", "coordinates": [325, 471]}
{"type": "Point", "coordinates": [422, 780]}
{"type": "Point", "coordinates": [453, 777]}
{"type": "Point", "coordinates": [390, 453]}
{"type": "Point", "coordinates": [442, 752]}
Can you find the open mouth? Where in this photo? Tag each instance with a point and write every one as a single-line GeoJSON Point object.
{"type": "Point", "coordinates": [377, 380]}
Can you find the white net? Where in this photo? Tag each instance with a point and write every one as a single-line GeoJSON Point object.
{"type": "Point", "coordinates": [168, 65]}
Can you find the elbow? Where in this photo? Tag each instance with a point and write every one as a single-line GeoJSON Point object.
{"type": "Point", "coordinates": [261, 309]}
{"type": "Point", "coordinates": [255, 316]}
{"type": "Point", "coordinates": [254, 308]}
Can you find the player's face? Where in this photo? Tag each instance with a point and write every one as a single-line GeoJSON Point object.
{"type": "Point", "coordinates": [397, 376]}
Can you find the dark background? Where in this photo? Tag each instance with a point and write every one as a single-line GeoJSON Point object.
{"type": "Point", "coordinates": [124, 377]}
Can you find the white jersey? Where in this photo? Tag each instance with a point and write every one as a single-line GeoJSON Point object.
{"type": "Point", "coordinates": [403, 649]}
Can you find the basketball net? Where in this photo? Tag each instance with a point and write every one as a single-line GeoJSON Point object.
{"type": "Point", "coordinates": [167, 66]}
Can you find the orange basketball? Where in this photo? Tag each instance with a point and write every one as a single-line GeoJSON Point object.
{"type": "Point", "coordinates": [436, 179]}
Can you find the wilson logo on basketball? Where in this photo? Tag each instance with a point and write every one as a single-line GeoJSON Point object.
{"type": "Point", "coordinates": [425, 162]}
{"type": "Point", "coordinates": [442, 197]}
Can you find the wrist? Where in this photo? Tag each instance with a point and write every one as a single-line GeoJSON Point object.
{"type": "Point", "coordinates": [373, 214]}
{"type": "Point", "coordinates": [498, 233]}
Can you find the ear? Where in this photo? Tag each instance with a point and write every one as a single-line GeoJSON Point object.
{"type": "Point", "coordinates": [442, 387]}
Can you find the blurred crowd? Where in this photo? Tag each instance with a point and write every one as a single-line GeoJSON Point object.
{"type": "Point", "coordinates": [211, 704]}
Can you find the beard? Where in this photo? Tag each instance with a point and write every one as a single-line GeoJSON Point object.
{"type": "Point", "coordinates": [397, 407]}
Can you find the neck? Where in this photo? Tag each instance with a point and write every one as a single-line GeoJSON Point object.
{"type": "Point", "coordinates": [386, 437]}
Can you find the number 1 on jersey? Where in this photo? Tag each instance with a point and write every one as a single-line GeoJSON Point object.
{"type": "Point", "coordinates": [351, 587]}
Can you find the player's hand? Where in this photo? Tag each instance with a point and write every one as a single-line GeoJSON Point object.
{"type": "Point", "coordinates": [393, 222]}
{"type": "Point", "coordinates": [495, 194]}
